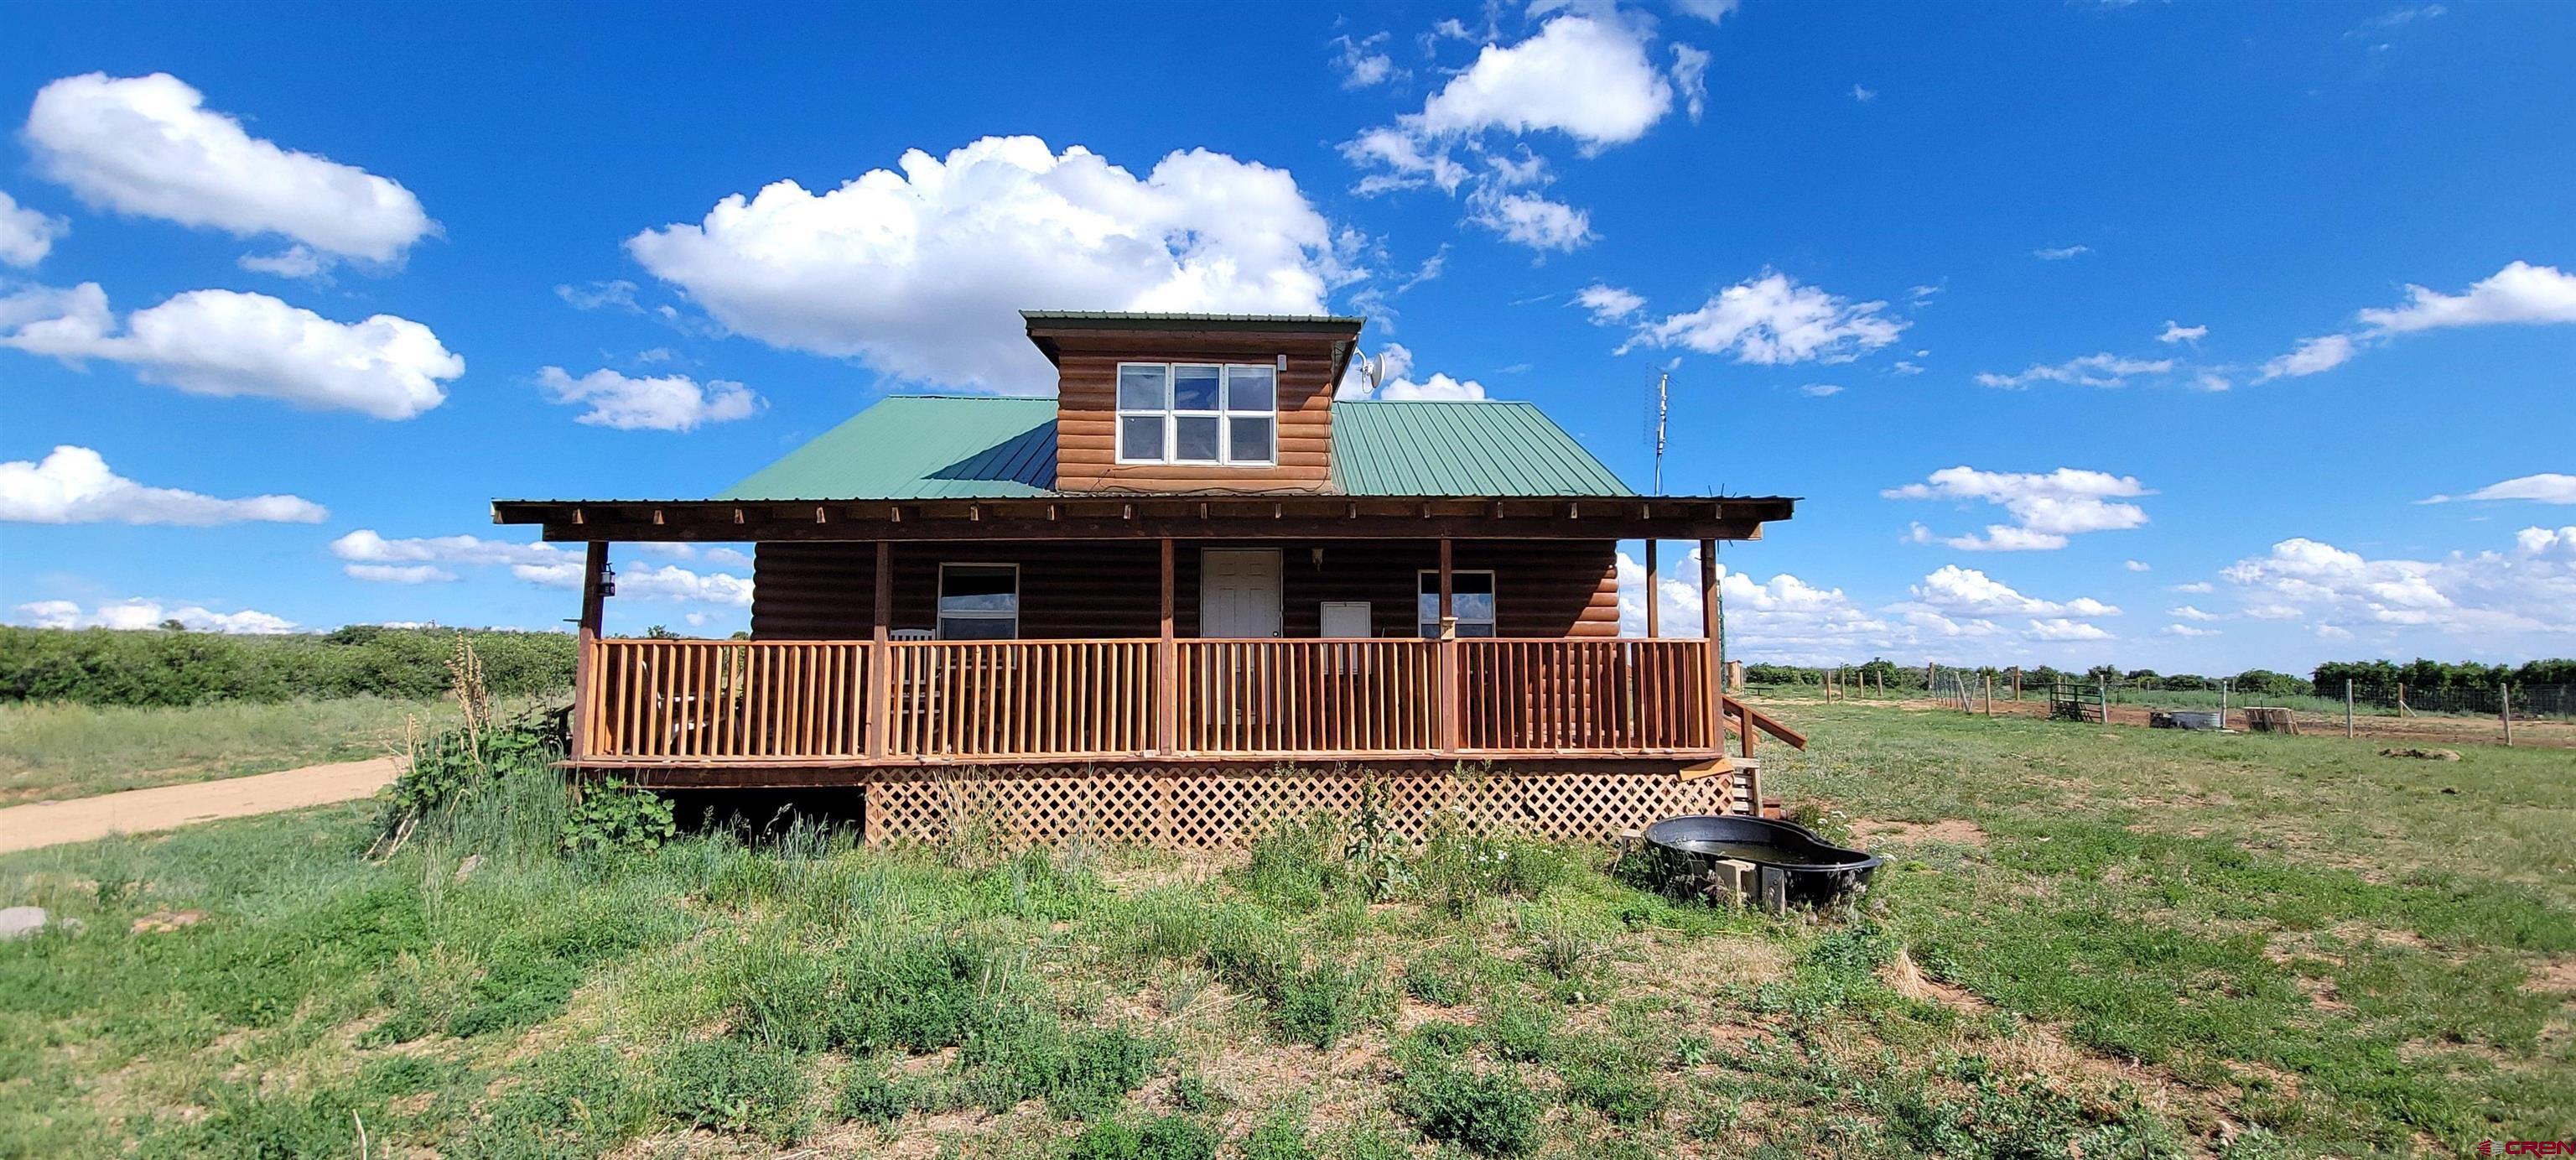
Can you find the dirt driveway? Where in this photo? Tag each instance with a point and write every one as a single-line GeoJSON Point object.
{"type": "Point", "coordinates": [143, 811]}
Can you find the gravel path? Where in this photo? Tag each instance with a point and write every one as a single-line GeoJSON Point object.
{"type": "Point", "coordinates": [143, 811]}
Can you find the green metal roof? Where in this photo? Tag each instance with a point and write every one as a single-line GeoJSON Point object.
{"type": "Point", "coordinates": [1481, 449]}
{"type": "Point", "coordinates": [920, 447]}
{"type": "Point", "coordinates": [976, 447]}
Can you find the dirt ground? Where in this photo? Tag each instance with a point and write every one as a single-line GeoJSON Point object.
{"type": "Point", "coordinates": [144, 811]}
{"type": "Point", "coordinates": [2548, 734]}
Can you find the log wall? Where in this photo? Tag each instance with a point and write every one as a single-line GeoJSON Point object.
{"type": "Point", "coordinates": [1086, 452]}
{"type": "Point", "coordinates": [825, 591]}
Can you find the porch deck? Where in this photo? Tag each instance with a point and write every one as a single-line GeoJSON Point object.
{"type": "Point", "coordinates": [711, 705]}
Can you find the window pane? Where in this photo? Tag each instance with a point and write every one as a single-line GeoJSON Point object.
{"type": "Point", "coordinates": [1194, 388]}
{"type": "Point", "coordinates": [1194, 438]}
{"type": "Point", "coordinates": [1462, 583]}
{"type": "Point", "coordinates": [978, 588]}
{"type": "Point", "coordinates": [1475, 606]}
{"type": "Point", "coordinates": [1140, 388]}
{"type": "Point", "coordinates": [1466, 629]}
{"type": "Point", "coordinates": [975, 628]}
{"type": "Point", "coordinates": [1141, 437]}
{"type": "Point", "coordinates": [1251, 389]}
{"type": "Point", "coordinates": [1251, 439]}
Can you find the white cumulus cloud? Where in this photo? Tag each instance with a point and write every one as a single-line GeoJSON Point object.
{"type": "Point", "coordinates": [2060, 253]}
{"type": "Point", "coordinates": [2177, 332]}
{"type": "Point", "coordinates": [2519, 293]}
{"type": "Point", "coordinates": [2313, 356]}
{"type": "Point", "coordinates": [2092, 370]}
{"type": "Point", "coordinates": [920, 273]}
{"type": "Point", "coordinates": [2046, 507]}
{"type": "Point", "coordinates": [74, 485]}
{"type": "Point", "coordinates": [664, 403]}
{"type": "Point", "coordinates": [1959, 590]}
{"type": "Point", "coordinates": [1587, 78]}
{"type": "Point", "coordinates": [1530, 219]}
{"type": "Point", "coordinates": [137, 612]}
{"type": "Point", "coordinates": [1609, 305]}
{"type": "Point", "coordinates": [2502, 598]}
{"type": "Point", "coordinates": [225, 343]}
{"type": "Point", "coordinates": [148, 146]}
{"type": "Point", "coordinates": [1771, 319]}
{"type": "Point", "coordinates": [26, 235]}
{"type": "Point", "coordinates": [1362, 62]}
{"type": "Point", "coordinates": [2546, 487]}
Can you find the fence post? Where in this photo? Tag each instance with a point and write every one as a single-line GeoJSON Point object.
{"type": "Point", "coordinates": [1990, 694]}
{"type": "Point", "coordinates": [2347, 707]}
{"type": "Point", "coordinates": [2222, 703]}
{"type": "Point", "coordinates": [2016, 684]}
{"type": "Point", "coordinates": [2507, 699]}
{"type": "Point", "coordinates": [2401, 698]}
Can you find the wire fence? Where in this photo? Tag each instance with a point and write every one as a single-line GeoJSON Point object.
{"type": "Point", "coordinates": [1968, 688]}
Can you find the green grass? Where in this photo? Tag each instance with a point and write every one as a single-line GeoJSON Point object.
{"type": "Point", "coordinates": [2150, 944]}
{"type": "Point", "coordinates": [53, 750]}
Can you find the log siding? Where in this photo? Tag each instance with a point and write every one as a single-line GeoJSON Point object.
{"type": "Point", "coordinates": [824, 591]}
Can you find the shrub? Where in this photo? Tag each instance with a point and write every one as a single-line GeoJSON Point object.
{"type": "Point", "coordinates": [1444, 976]}
{"type": "Point", "coordinates": [614, 818]}
{"type": "Point", "coordinates": [1081, 1075]}
{"type": "Point", "coordinates": [1159, 1138]}
{"type": "Point", "coordinates": [1490, 1115]}
{"type": "Point", "coordinates": [869, 1097]}
{"type": "Point", "coordinates": [733, 1086]}
{"type": "Point", "coordinates": [574, 1102]}
{"type": "Point", "coordinates": [1459, 867]}
{"type": "Point", "coordinates": [1281, 1136]}
{"type": "Point", "coordinates": [1317, 1004]}
{"type": "Point", "coordinates": [1294, 864]}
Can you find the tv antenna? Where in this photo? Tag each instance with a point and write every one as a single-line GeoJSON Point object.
{"type": "Point", "coordinates": [1663, 411]}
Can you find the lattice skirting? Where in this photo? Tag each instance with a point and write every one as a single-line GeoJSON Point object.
{"type": "Point", "coordinates": [1203, 808]}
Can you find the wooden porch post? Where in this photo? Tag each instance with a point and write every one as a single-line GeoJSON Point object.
{"type": "Point", "coordinates": [1653, 594]}
{"type": "Point", "coordinates": [1712, 620]}
{"type": "Point", "coordinates": [1448, 654]}
{"type": "Point", "coordinates": [881, 655]}
{"type": "Point", "coordinates": [1167, 675]}
{"type": "Point", "coordinates": [585, 662]}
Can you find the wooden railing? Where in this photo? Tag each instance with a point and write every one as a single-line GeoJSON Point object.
{"type": "Point", "coordinates": [788, 701]}
{"type": "Point", "coordinates": [1021, 698]}
{"type": "Point", "coordinates": [1309, 696]}
{"type": "Point", "coordinates": [722, 699]}
{"type": "Point", "coordinates": [1584, 695]}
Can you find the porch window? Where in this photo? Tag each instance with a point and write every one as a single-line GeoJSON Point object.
{"type": "Point", "coordinates": [1471, 600]}
{"type": "Point", "coordinates": [1198, 413]}
{"type": "Point", "coordinates": [979, 601]}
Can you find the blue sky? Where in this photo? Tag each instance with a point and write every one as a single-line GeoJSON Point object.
{"type": "Point", "coordinates": [2131, 333]}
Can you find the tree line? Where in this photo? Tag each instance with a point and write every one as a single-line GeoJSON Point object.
{"type": "Point", "coordinates": [2325, 680]}
{"type": "Point", "coordinates": [172, 667]}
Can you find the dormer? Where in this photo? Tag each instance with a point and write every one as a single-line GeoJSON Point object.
{"type": "Point", "coordinates": [1194, 402]}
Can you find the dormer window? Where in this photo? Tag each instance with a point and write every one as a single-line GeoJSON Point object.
{"type": "Point", "coordinates": [1225, 414]}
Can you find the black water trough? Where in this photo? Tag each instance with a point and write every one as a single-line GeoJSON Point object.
{"type": "Point", "coordinates": [1794, 866]}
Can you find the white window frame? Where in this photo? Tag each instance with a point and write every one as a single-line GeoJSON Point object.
{"type": "Point", "coordinates": [939, 617]}
{"type": "Point", "coordinates": [1224, 414]}
{"type": "Point", "coordinates": [1493, 622]}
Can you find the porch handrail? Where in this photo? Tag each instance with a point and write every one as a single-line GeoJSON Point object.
{"type": "Point", "coordinates": [725, 699]}
{"type": "Point", "coordinates": [787, 701]}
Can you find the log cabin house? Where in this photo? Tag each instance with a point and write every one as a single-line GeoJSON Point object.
{"type": "Point", "coordinates": [1191, 593]}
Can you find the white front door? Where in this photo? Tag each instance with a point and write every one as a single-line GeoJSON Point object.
{"type": "Point", "coordinates": [1239, 592]}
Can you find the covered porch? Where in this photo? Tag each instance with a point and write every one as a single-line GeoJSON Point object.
{"type": "Point", "coordinates": [1225, 630]}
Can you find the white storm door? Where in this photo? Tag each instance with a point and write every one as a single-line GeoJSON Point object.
{"type": "Point", "coordinates": [1239, 592]}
